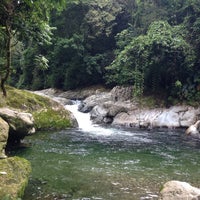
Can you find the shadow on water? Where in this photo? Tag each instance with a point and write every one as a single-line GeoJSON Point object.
{"type": "Point", "coordinates": [108, 163]}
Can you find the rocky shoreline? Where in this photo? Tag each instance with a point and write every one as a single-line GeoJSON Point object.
{"type": "Point", "coordinates": [114, 107]}
{"type": "Point", "coordinates": [19, 119]}
{"type": "Point", "coordinates": [14, 171]}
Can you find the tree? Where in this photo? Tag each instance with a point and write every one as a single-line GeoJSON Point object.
{"type": "Point", "coordinates": [23, 18]}
{"type": "Point", "coordinates": [154, 61]}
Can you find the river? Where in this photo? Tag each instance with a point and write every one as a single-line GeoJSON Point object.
{"type": "Point", "coordinates": [94, 162]}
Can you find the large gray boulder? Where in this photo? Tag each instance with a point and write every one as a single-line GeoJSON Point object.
{"type": "Point", "coordinates": [3, 137]}
{"type": "Point", "coordinates": [97, 99]}
{"type": "Point", "coordinates": [174, 117]}
{"type": "Point", "coordinates": [20, 124]}
{"type": "Point", "coordinates": [176, 190]}
{"type": "Point", "coordinates": [105, 113]}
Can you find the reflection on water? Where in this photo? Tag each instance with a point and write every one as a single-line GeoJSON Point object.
{"type": "Point", "coordinates": [124, 164]}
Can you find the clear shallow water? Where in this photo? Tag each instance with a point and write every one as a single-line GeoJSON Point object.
{"type": "Point", "coordinates": [121, 164]}
{"type": "Point", "coordinates": [95, 163]}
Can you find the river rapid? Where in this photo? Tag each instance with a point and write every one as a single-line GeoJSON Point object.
{"type": "Point", "coordinates": [94, 162]}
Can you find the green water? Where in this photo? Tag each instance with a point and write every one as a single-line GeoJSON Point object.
{"type": "Point", "coordinates": [121, 165]}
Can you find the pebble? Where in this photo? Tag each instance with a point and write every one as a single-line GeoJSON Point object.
{"type": "Point", "coordinates": [3, 173]}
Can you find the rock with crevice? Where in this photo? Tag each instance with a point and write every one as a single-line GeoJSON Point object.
{"type": "Point", "coordinates": [104, 113]}
{"type": "Point", "coordinates": [3, 137]}
{"type": "Point", "coordinates": [176, 190]}
{"type": "Point", "coordinates": [20, 124]}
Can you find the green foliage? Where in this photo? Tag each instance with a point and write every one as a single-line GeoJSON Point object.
{"type": "Point", "coordinates": [23, 19]}
{"type": "Point", "coordinates": [23, 100]}
{"type": "Point", "coordinates": [162, 50]}
{"type": "Point", "coordinates": [150, 44]}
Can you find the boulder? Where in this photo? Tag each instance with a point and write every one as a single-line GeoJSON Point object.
{"type": "Point", "coordinates": [14, 175]}
{"type": "Point", "coordinates": [104, 113]}
{"type": "Point", "coordinates": [176, 190]}
{"type": "Point", "coordinates": [3, 137]}
{"type": "Point", "coordinates": [97, 99]}
{"type": "Point", "coordinates": [121, 93]}
{"type": "Point", "coordinates": [174, 117]}
{"type": "Point", "coordinates": [20, 124]}
{"type": "Point", "coordinates": [98, 114]}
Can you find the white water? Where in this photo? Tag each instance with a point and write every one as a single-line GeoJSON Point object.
{"type": "Point", "coordinates": [83, 119]}
{"type": "Point", "coordinates": [85, 124]}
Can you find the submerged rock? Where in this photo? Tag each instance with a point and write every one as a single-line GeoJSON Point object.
{"type": "Point", "coordinates": [176, 190]}
{"type": "Point", "coordinates": [20, 124]}
{"type": "Point", "coordinates": [14, 174]}
{"type": "Point", "coordinates": [3, 137]}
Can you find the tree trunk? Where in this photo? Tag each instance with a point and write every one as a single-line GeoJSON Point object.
{"type": "Point", "coordinates": [8, 61]}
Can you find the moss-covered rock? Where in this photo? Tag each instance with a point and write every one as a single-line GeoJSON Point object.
{"type": "Point", "coordinates": [48, 114]}
{"type": "Point", "coordinates": [14, 173]}
{"type": "Point", "coordinates": [3, 137]}
{"type": "Point", "coordinates": [50, 119]}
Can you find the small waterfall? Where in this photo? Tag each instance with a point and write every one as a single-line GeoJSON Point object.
{"type": "Point", "coordinates": [85, 124]}
{"type": "Point", "coordinates": [94, 130]}
{"type": "Point", "coordinates": [83, 119]}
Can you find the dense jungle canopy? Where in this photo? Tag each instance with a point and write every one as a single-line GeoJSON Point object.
{"type": "Point", "coordinates": [153, 45]}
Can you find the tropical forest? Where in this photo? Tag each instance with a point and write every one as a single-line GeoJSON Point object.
{"type": "Point", "coordinates": [99, 99]}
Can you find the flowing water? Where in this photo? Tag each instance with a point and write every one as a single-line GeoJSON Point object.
{"type": "Point", "coordinates": [95, 163]}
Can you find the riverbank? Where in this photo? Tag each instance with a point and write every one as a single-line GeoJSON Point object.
{"type": "Point", "coordinates": [103, 105]}
{"type": "Point", "coordinates": [22, 114]}
{"type": "Point", "coordinates": [118, 108]}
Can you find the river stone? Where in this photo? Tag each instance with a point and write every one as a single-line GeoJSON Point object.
{"type": "Point", "coordinates": [97, 99]}
{"type": "Point", "coordinates": [3, 137]}
{"type": "Point", "coordinates": [20, 124]}
{"type": "Point", "coordinates": [176, 190]}
{"type": "Point", "coordinates": [104, 113]}
{"type": "Point", "coordinates": [98, 114]}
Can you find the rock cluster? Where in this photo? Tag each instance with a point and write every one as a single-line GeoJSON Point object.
{"type": "Point", "coordinates": [117, 108]}
{"type": "Point", "coordinates": [14, 171]}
